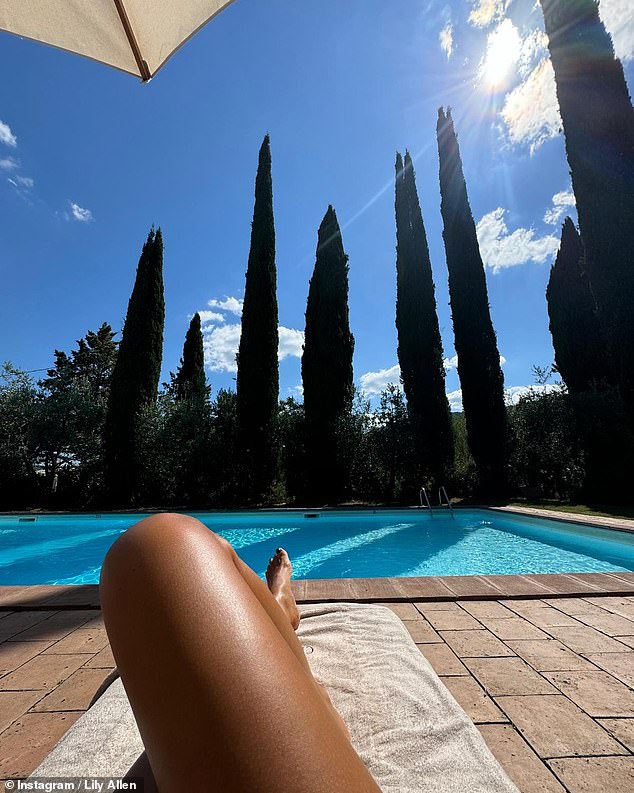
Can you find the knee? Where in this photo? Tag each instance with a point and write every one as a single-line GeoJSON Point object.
{"type": "Point", "coordinates": [155, 537]}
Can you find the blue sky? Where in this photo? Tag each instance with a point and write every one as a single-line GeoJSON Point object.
{"type": "Point", "coordinates": [90, 158]}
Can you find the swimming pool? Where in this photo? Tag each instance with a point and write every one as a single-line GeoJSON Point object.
{"type": "Point", "coordinates": [69, 549]}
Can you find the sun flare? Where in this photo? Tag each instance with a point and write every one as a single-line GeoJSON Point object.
{"type": "Point", "coordinates": [501, 56]}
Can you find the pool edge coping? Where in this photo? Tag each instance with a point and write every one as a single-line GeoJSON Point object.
{"type": "Point", "coordinates": [367, 590]}
{"type": "Point", "coordinates": [596, 521]}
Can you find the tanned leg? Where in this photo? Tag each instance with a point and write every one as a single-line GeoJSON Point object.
{"type": "Point", "coordinates": [218, 681]}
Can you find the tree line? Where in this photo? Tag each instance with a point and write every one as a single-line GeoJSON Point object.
{"type": "Point", "coordinates": [99, 428]}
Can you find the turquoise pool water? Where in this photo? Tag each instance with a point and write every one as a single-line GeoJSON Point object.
{"type": "Point", "coordinates": [69, 549]}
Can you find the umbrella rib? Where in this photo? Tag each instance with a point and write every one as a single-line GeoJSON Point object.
{"type": "Point", "coordinates": [134, 45]}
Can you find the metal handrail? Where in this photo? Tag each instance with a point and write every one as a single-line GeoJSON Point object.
{"type": "Point", "coordinates": [422, 493]}
{"type": "Point", "coordinates": [443, 492]}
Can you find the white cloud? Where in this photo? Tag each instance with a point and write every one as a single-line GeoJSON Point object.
{"type": "Point", "coordinates": [9, 164]}
{"type": "Point", "coordinates": [291, 343]}
{"type": "Point", "coordinates": [296, 390]}
{"type": "Point", "coordinates": [446, 39]}
{"type": "Point", "coordinates": [221, 340]}
{"type": "Point", "coordinates": [455, 401]}
{"type": "Point", "coordinates": [79, 213]}
{"type": "Point", "coordinates": [618, 18]}
{"type": "Point", "coordinates": [561, 203]}
{"type": "Point", "coordinates": [512, 395]}
{"type": "Point", "coordinates": [25, 182]}
{"type": "Point", "coordinates": [6, 136]}
{"type": "Point", "coordinates": [484, 12]}
{"type": "Point", "coordinates": [220, 344]}
{"type": "Point", "coordinates": [231, 304]}
{"type": "Point", "coordinates": [452, 363]}
{"type": "Point", "coordinates": [530, 111]}
{"type": "Point", "coordinates": [501, 249]}
{"type": "Point", "coordinates": [534, 48]}
{"type": "Point", "coordinates": [210, 316]}
{"type": "Point", "coordinates": [372, 383]}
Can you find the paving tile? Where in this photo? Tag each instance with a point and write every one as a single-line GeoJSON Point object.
{"type": "Point", "coordinates": [511, 676]}
{"type": "Point", "coordinates": [55, 627]}
{"type": "Point", "coordinates": [514, 628]}
{"type": "Point", "coordinates": [547, 655]}
{"type": "Point", "coordinates": [443, 660]}
{"type": "Point", "coordinates": [598, 693]}
{"type": "Point", "coordinates": [379, 588]}
{"type": "Point", "coordinates": [583, 639]}
{"type": "Point", "coordinates": [406, 611]}
{"type": "Point", "coordinates": [4, 614]}
{"type": "Point", "coordinates": [14, 704]}
{"type": "Point", "coordinates": [421, 631]}
{"type": "Point", "coordinates": [626, 640]}
{"type": "Point", "coordinates": [565, 584]}
{"type": "Point", "coordinates": [323, 589]}
{"type": "Point", "coordinates": [473, 700]}
{"type": "Point", "coordinates": [518, 585]}
{"type": "Point", "coordinates": [28, 740]}
{"type": "Point", "coordinates": [42, 672]}
{"type": "Point", "coordinates": [103, 660]}
{"type": "Point", "coordinates": [487, 608]}
{"type": "Point", "coordinates": [437, 605]}
{"type": "Point", "coordinates": [627, 577]}
{"type": "Point", "coordinates": [475, 644]}
{"type": "Point", "coordinates": [19, 621]}
{"type": "Point", "coordinates": [298, 585]}
{"type": "Point", "coordinates": [612, 624]}
{"type": "Point", "coordinates": [555, 727]}
{"type": "Point", "coordinates": [595, 774]}
{"type": "Point", "coordinates": [542, 615]}
{"type": "Point", "coordinates": [519, 761]}
{"type": "Point", "coordinates": [572, 606]}
{"type": "Point", "coordinates": [453, 621]}
{"type": "Point", "coordinates": [427, 587]}
{"type": "Point", "coordinates": [517, 604]}
{"type": "Point", "coordinates": [470, 586]}
{"type": "Point", "coordinates": [619, 665]}
{"type": "Point", "coordinates": [621, 729]}
{"type": "Point", "coordinates": [623, 606]}
{"type": "Point", "coordinates": [78, 595]}
{"type": "Point", "coordinates": [75, 693]}
{"type": "Point", "coordinates": [606, 582]}
{"type": "Point", "coordinates": [83, 640]}
{"type": "Point", "coordinates": [14, 654]}
{"type": "Point", "coordinates": [15, 596]}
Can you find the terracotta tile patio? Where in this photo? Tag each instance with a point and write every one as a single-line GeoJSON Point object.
{"type": "Point", "coordinates": [544, 665]}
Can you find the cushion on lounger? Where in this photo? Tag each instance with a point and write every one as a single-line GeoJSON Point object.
{"type": "Point", "coordinates": [403, 722]}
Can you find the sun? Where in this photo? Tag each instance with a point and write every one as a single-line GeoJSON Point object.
{"type": "Point", "coordinates": [501, 56]}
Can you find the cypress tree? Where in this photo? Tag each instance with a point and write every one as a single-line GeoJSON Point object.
{"type": "Point", "coordinates": [258, 374]}
{"type": "Point", "coordinates": [420, 352]}
{"type": "Point", "coordinates": [136, 372]}
{"type": "Point", "coordinates": [327, 364]}
{"type": "Point", "coordinates": [580, 353]}
{"type": "Point", "coordinates": [479, 368]}
{"type": "Point", "coordinates": [190, 381]}
{"type": "Point", "coordinates": [598, 123]}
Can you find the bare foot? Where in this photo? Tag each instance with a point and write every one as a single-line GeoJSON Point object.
{"type": "Point", "coordinates": [278, 578]}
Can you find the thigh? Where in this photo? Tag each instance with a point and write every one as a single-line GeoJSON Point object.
{"type": "Point", "coordinates": [221, 699]}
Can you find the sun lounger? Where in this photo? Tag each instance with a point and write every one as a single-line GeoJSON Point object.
{"type": "Point", "coordinates": [403, 722]}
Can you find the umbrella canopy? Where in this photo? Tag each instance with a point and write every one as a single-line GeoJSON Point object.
{"type": "Point", "coordinates": [137, 36]}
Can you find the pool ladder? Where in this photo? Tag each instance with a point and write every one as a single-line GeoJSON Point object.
{"type": "Point", "coordinates": [423, 492]}
{"type": "Point", "coordinates": [442, 493]}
